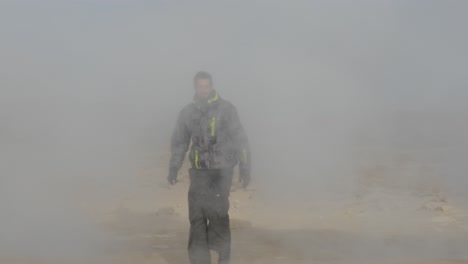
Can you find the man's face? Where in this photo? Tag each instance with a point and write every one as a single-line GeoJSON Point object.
{"type": "Point", "coordinates": [203, 88]}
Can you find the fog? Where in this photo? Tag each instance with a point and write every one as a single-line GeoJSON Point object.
{"type": "Point", "coordinates": [90, 91]}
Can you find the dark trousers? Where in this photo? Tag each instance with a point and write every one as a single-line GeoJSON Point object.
{"type": "Point", "coordinates": [208, 201]}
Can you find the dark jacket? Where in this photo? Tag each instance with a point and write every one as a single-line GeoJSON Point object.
{"type": "Point", "coordinates": [216, 133]}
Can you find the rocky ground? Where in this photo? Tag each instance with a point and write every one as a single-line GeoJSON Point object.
{"type": "Point", "coordinates": [150, 225]}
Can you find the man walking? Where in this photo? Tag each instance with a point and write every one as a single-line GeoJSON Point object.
{"type": "Point", "coordinates": [219, 143]}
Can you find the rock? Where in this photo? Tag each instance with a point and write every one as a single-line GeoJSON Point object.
{"type": "Point", "coordinates": [166, 211]}
{"type": "Point", "coordinates": [435, 206]}
{"type": "Point", "coordinates": [164, 185]}
{"type": "Point", "coordinates": [240, 224]}
{"type": "Point", "coordinates": [440, 198]}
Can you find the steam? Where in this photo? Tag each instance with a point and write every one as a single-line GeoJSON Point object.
{"type": "Point", "coordinates": [90, 91]}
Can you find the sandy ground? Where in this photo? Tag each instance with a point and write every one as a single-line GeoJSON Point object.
{"type": "Point", "coordinates": [150, 225]}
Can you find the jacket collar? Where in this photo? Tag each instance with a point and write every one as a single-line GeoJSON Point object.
{"type": "Point", "coordinates": [204, 103]}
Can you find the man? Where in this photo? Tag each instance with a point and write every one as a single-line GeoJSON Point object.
{"type": "Point", "coordinates": [219, 143]}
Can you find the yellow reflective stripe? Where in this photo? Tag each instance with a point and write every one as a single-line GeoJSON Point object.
{"type": "Point", "coordinates": [215, 98]}
{"type": "Point", "coordinates": [196, 159]}
{"type": "Point", "coordinates": [213, 126]}
{"type": "Point", "coordinates": [244, 155]}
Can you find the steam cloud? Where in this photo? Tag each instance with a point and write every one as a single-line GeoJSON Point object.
{"type": "Point", "coordinates": [90, 91]}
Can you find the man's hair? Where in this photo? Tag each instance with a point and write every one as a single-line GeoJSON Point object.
{"type": "Point", "coordinates": [202, 75]}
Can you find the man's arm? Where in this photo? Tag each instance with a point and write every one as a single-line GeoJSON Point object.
{"type": "Point", "coordinates": [179, 145]}
{"type": "Point", "coordinates": [240, 138]}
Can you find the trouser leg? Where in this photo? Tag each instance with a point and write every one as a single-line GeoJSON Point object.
{"type": "Point", "coordinates": [219, 232]}
{"type": "Point", "coordinates": [199, 252]}
{"type": "Point", "coordinates": [209, 217]}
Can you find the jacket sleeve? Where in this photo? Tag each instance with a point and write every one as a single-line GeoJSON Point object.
{"type": "Point", "coordinates": [237, 133]}
{"type": "Point", "coordinates": [180, 142]}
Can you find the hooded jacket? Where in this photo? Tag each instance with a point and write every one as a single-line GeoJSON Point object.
{"type": "Point", "coordinates": [216, 133]}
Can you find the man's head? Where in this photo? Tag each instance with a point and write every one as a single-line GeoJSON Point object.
{"type": "Point", "coordinates": [203, 84]}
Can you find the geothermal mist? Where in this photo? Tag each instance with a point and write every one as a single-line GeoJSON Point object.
{"type": "Point", "coordinates": [90, 91]}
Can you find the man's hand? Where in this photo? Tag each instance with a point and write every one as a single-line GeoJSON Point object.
{"type": "Point", "coordinates": [244, 177]}
{"type": "Point", "coordinates": [172, 177]}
